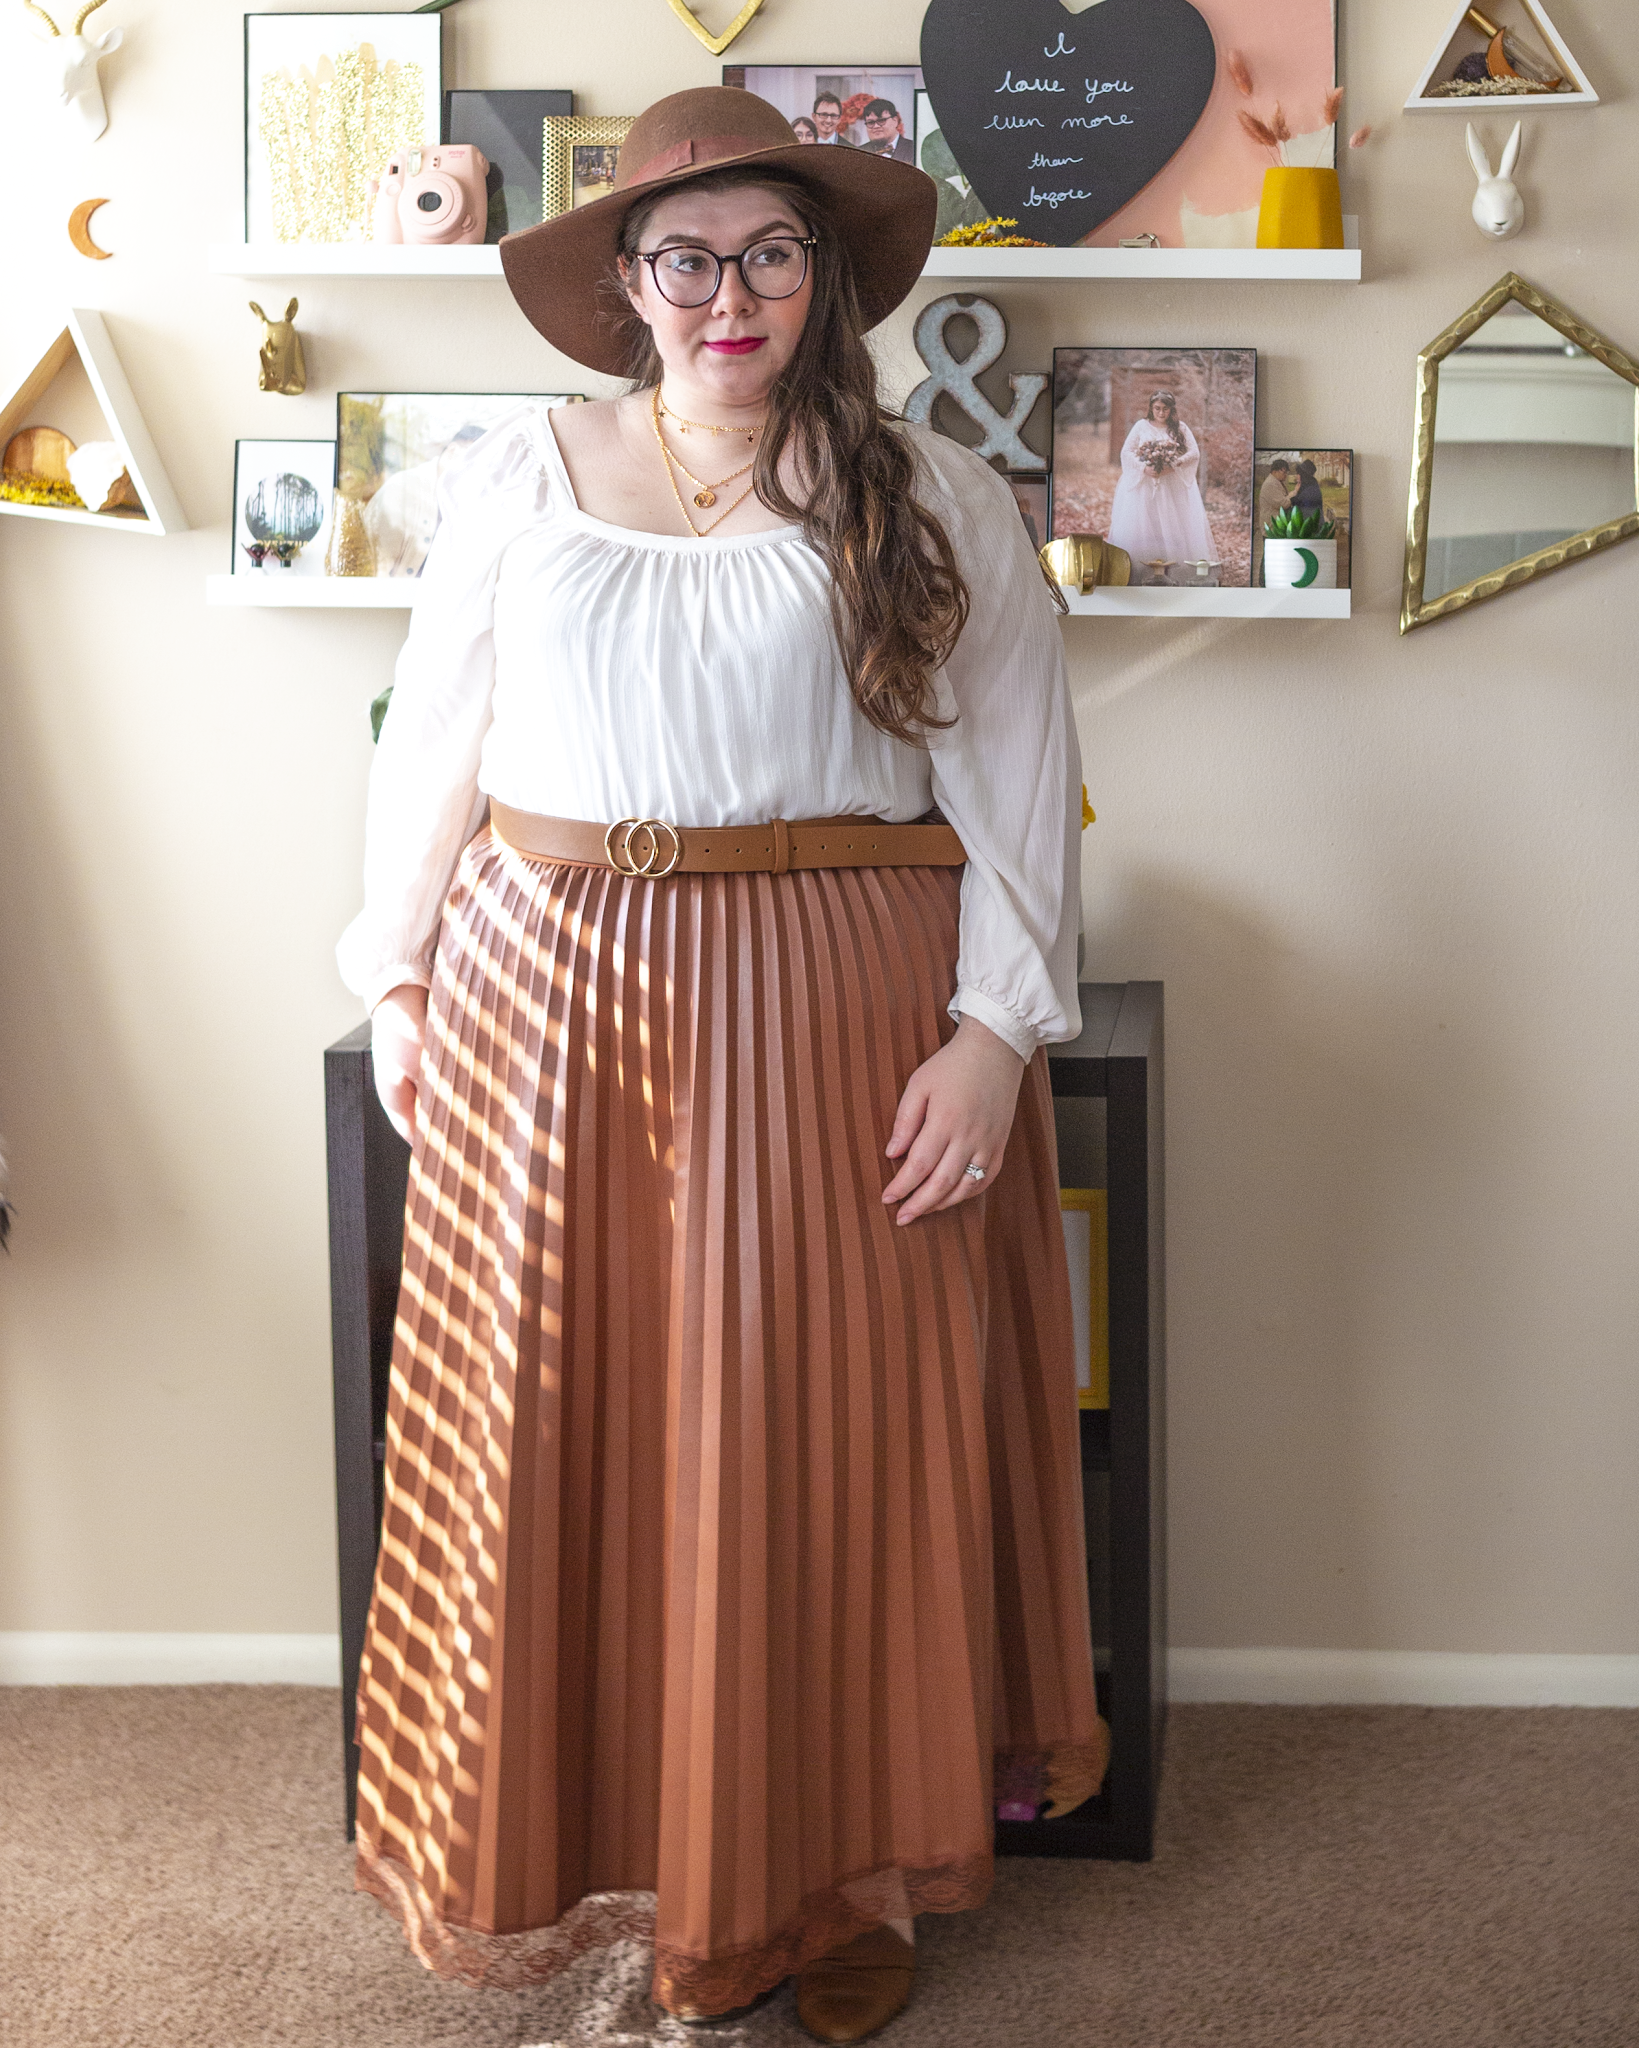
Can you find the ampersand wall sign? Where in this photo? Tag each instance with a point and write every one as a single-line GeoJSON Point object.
{"type": "Point", "coordinates": [1059, 117]}
{"type": "Point", "coordinates": [956, 379]}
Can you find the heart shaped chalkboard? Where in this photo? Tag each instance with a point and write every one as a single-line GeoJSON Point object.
{"type": "Point", "coordinates": [1058, 119]}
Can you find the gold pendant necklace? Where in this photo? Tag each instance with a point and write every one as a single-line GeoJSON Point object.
{"type": "Point", "coordinates": [706, 494]}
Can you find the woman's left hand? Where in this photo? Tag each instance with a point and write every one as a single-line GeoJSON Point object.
{"type": "Point", "coordinates": [957, 1107]}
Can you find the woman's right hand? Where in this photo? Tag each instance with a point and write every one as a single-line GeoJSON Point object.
{"type": "Point", "coordinates": [398, 1030]}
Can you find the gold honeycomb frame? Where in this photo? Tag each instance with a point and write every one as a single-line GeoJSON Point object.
{"type": "Point", "coordinates": [559, 135]}
{"type": "Point", "coordinates": [1413, 610]}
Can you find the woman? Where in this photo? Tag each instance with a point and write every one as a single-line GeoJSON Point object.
{"type": "Point", "coordinates": [804, 129]}
{"type": "Point", "coordinates": [1157, 514]}
{"type": "Point", "coordinates": [1309, 497]}
{"type": "Point", "coordinates": [732, 1511]}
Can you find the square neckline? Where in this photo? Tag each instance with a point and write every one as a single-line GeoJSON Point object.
{"type": "Point", "coordinates": [642, 537]}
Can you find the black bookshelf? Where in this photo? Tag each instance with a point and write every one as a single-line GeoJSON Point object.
{"type": "Point", "coordinates": [1117, 1059]}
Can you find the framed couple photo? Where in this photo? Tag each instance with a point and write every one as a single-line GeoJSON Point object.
{"type": "Point", "coordinates": [841, 106]}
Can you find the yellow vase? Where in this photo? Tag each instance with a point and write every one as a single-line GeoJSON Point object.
{"type": "Point", "coordinates": [1301, 209]}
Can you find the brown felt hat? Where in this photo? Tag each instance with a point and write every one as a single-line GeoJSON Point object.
{"type": "Point", "coordinates": [884, 210]}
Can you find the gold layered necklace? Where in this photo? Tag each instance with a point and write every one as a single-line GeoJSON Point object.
{"type": "Point", "coordinates": [705, 494]}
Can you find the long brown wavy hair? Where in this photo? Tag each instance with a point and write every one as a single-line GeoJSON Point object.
{"type": "Point", "coordinates": [898, 601]}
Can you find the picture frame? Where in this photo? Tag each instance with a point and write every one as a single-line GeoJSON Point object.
{"type": "Point", "coordinates": [372, 81]}
{"type": "Point", "coordinates": [1332, 477]}
{"type": "Point", "coordinates": [507, 126]}
{"type": "Point", "coordinates": [1174, 492]}
{"type": "Point", "coordinates": [795, 89]}
{"type": "Point", "coordinates": [959, 205]}
{"type": "Point", "coordinates": [391, 451]}
{"type": "Point", "coordinates": [283, 493]}
{"type": "Point", "coordinates": [1031, 493]}
{"type": "Point", "coordinates": [1250, 85]}
{"type": "Point", "coordinates": [578, 157]}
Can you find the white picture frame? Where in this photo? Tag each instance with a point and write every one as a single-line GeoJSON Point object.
{"type": "Point", "coordinates": [257, 467]}
{"type": "Point", "coordinates": [298, 188]}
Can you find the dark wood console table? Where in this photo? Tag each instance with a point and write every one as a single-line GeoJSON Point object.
{"type": "Point", "coordinates": [1115, 1068]}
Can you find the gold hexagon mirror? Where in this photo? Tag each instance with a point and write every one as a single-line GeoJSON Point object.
{"type": "Point", "coordinates": [1527, 451]}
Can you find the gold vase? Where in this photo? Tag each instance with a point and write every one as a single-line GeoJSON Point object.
{"type": "Point", "coordinates": [1082, 561]}
{"type": "Point", "coordinates": [1300, 209]}
{"type": "Point", "coordinates": [351, 551]}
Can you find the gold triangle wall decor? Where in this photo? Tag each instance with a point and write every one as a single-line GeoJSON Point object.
{"type": "Point", "coordinates": [1462, 36]}
{"type": "Point", "coordinates": [86, 336]}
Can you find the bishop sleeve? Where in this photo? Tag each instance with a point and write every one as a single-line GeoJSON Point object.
{"type": "Point", "coordinates": [1008, 774]}
{"type": "Point", "coordinates": [424, 800]}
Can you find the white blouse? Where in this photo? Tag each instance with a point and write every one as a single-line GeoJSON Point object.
{"type": "Point", "coordinates": [568, 667]}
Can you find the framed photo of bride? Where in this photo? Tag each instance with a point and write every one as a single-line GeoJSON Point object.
{"type": "Point", "coordinates": [1152, 448]}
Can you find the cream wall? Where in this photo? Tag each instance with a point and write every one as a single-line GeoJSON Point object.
{"type": "Point", "coordinates": [1390, 886]}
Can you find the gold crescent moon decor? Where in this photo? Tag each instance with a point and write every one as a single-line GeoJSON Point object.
{"type": "Point", "coordinates": [716, 44]}
{"type": "Point", "coordinates": [79, 229]}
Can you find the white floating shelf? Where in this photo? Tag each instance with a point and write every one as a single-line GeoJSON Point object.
{"type": "Point", "coordinates": [352, 259]}
{"type": "Point", "coordinates": [994, 266]}
{"type": "Point", "coordinates": [1150, 266]}
{"type": "Point", "coordinates": [1154, 601]}
{"type": "Point", "coordinates": [279, 588]}
{"type": "Point", "coordinates": [272, 588]}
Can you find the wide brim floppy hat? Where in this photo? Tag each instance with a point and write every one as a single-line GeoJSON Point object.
{"type": "Point", "coordinates": [884, 211]}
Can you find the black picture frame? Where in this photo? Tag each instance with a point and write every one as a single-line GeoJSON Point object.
{"type": "Point", "coordinates": [506, 124]}
{"type": "Point", "coordinates": [741, 75]}
{"type": "Point", "coordinates": [1180, 366]}
{"type": "Point", "coordinates": [1324, 458]}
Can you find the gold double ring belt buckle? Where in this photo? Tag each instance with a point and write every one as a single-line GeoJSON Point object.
{"type": "Point", "coordinates": [623, 854]}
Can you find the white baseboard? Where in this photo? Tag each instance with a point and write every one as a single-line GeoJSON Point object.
{"type": "Point", "coordinates": [1408, 1678]}
{"type": "Point", "coordinates": [1301, 1678]}
{"type": "Point", "coordinates": [108, 1658]}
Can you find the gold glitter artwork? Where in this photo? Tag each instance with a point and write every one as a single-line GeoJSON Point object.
{"type": "Point", "coordinates": [328, 132]}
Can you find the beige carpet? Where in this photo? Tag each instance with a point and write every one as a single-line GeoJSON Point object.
{"type": "Point", "coordinates": [172, 1875]}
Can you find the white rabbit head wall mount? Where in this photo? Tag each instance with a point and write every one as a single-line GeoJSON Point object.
{"type": "Point", "coordinates": [1499, 211]}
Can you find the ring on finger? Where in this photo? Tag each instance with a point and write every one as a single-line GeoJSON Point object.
{"type": "Point", "coordinates": [973, 1170]}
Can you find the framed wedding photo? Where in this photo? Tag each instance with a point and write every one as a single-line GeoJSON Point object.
{"type": "Point", "coordinates": [507, 127]}
{"type": "Point", "coordinates": [328, 99]}
{"type": "Point", "coordinates": [392, 451]}
{"type": "Point", "coordinates": [579, 156]}
{"type": "Point", "coordinates": [1313, 480]}
{"type": "Point", "coordinates": [282, 494]}
{"type": "Point", "coordinates": [1152, 448]}
{"type": "Point", "coordinates": [843, 106]}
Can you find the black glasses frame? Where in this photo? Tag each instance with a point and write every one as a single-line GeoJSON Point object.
{"type": "Point", "coordinates": [802, 242]}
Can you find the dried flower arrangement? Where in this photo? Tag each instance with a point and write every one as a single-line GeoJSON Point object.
{"type": "Point", "coordinates": [987, 234]}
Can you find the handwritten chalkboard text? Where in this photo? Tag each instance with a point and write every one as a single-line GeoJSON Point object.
{"type": "Point", "coordinates": [1015, 121]}
{"type": "Point", "coordinates": [1054, 199]}
{"type": "Point", "coordinates": [1012, 84]}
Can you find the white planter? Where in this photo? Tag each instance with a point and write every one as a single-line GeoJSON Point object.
{"type": "Point", "coordinates": [1300, 564]}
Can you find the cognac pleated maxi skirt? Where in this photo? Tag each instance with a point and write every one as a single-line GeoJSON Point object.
{"type": "Point", "coordinates": [733, 1533]}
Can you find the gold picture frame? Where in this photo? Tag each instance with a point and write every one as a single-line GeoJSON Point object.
{"type": "Point", "coordinates": [1413, 610]}
{"type": "Point", "coordinates": [561, 136]}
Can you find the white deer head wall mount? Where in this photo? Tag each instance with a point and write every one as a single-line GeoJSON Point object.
{"type": "Point", "coordinates": [73, 59]}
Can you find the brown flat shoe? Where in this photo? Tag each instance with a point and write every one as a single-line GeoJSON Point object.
{"type": "Point", "coordinates": [854, 1991]}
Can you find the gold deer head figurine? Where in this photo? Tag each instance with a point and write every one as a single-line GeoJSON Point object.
{"type": "Point", "coordinates": [281, 354]}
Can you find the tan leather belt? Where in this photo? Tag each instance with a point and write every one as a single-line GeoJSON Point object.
{"type": "Point", "coordinates": [651, 847]}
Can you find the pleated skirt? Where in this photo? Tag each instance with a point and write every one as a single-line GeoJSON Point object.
{"type": "Point", "coordinates": [733, 1533]}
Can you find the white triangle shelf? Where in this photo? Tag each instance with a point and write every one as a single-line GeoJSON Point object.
{"type": "Point", "coordinates": [87, 337]}
{"type": "Point", "coordinates": [1503, 103]}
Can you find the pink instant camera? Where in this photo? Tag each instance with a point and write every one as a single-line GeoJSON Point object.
{"type": "Point", "coordinates": [443, 201]}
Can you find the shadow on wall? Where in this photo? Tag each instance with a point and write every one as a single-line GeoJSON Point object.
{"type": "Point", "coordinates": [1326, 1131]}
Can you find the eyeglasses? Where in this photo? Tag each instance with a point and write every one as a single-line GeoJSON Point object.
{"type": "Point", "coordinates": [689, 276]}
